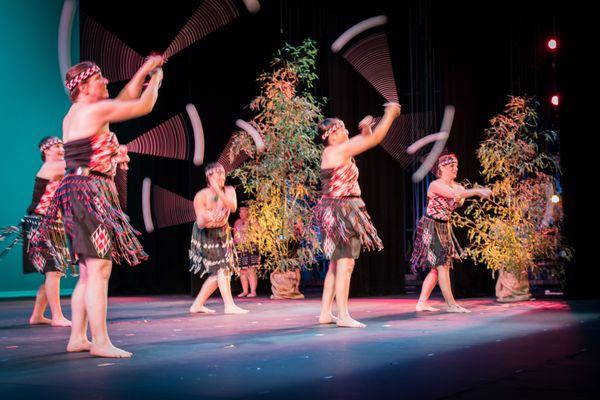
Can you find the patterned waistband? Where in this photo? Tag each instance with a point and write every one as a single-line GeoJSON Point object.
{"type": "Point", "coordinates": [87, 171]}
{"type": "Point", "coordinates": [437, 219]}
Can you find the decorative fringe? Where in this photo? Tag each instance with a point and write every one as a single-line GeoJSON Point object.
{"type": "Point", "coordinates": [56, 236]}
{"type": "Point", "coordinates": [341, 218]}
{"type": "Point", "coordinates": [98, 197]}
{"type": "Point", "coordinates": [434, 244]}
{"type": "Point", "coordinates": [211, 249]}
{"type": "Point", "coordinates": [7, 233]}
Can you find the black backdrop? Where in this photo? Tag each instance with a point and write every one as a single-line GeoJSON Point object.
{"type": "Point", "coordinates": [443, 53]}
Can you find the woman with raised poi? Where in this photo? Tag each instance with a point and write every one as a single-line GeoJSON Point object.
{"type": "Point", "coordinates": [212, 250]}
{"type": "Point", "coordinates": [341, 213]}
{"type": "Point", "coordinates": [435, 246]}
{"type": "Point", "coordinates": [97, 228]}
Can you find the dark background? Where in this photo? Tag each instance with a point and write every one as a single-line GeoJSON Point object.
{"type": "Point", "coordinates": [443, 53]}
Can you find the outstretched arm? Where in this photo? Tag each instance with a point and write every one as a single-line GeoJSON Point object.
{"type": "Point", "coordinates": [442, 189]}
{"type": "Point", "coordinates": [367, 139]}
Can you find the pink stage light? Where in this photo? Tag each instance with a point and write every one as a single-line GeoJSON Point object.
{"type": "Point", "coordinates": [555, 100]}
{"type": "Point", "coordinates": [552, 44]}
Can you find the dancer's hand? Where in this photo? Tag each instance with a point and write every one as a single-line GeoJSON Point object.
{"type": "Point", "coordinates": [485, 193]}
{"type": "Point", "coordinates": [393, 109]}
{"type": "Point", "coordinates": [122, 158]}
{"type": "Point", "coordinates": [365, 125]}
{"type": "Point", "coordinates": [154, 61]}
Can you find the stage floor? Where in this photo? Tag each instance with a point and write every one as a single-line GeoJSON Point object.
{"type": "Point", "coordinates": [546, 349]}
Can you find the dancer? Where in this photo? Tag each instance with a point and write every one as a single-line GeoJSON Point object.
{"type": "Point", "coordinates": [212, 250]}
{"type": "Point", "coordinates": [46, 181]}
{"type": "Point", "coordinates": [435, 246]}
{"type": "Point", "coordinates": [341, 213]}
{"type": "Point", "coordinates": [97, 228]}
{"type": "Point", "coordinates": [249, 260]}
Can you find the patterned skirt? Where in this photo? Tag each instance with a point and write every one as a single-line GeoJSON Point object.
{"type": "Point", "coordinates": [248, 258]}
{"type": "Point", "coordinates": [95, 224]}
{"type": "Point", "coordinates": [212, 249]}
{"type": "Point", "coordinates": [346, 227]}
{"type": "Point", "coordinates": [434, 245]}
{"type": "Point", "coordinates": [45, 261]}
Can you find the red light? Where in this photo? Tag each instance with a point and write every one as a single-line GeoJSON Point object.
{"type": "Point", "coordinates": [552, 44]}
{"type": "Point", "coordinates": [555, 100]}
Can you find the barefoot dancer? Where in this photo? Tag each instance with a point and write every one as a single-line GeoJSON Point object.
{"type": "Point", "coordinates": [341, 213]}
{"type": "Point", "coordinates": [212, 251]}
{"type": "Point", "coordinates": [435, 245]}
{"type": "Point", "coordinates": [46, 182]}
{"type": "Point", "coordinates": [98, 230]}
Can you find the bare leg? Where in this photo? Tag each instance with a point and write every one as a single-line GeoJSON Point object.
{"type": "Point", "coordinates": [96, 300]}
{"type": "Point", "coordinates": [78, 340]}
{"type": "Point", "coordinates": [428, 285]}
{"type": "Point", "coordinates": [326, 316]}
{"type": "Point", "coordinates": [37, 315]}
{"type": "Point", "coordinates": [252, 278]}
{"type": "Point", "coordinates": [53, 297]}
{"type": "Point", "coordinates": [344, 267]}
{"type": "Point", "coordinates": [244, 281]}
{"type": "Point", "coordinates": [224, 281]}
{"type": "Point", "coordinates": [445, 285]}
{"type": "Point", "coordinates": [208, 288]}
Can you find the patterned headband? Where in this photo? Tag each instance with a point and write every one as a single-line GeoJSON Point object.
{"type": "Point", "coordinates": [80, 77]}
{"type": "Point", "coordinates": [46, 144]}
{"type": "Point", "coordinates": [337, 124]}
{"type": "Point", "coordinates": [447, 160]}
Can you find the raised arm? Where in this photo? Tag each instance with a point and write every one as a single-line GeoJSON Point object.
{"type": "Point", "coordinates": [133, 89]}
{"type": "Point", "coordinates": [118, 110]}
{"type": "Point", "coordinates": [369, 139]}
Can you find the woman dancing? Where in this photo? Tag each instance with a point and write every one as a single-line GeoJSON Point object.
{"type": "Point", "coordinates": [97, 228]}
{"type": "Point", "coordinates": [435, 246]}
{"type": "Point", "coordinates": [212, 250]}
{"type": "Point", "coordinates": [341, 212]}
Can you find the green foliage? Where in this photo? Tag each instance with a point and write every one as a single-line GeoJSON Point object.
{"type": "Point", "coordinates": [282, 180]}
{"type": "Point", "coordinates": [518, 227]}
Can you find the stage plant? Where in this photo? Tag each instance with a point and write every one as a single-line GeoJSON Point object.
{"type": "Point", "coordinates": [518, 229]}
{"type": "Point", "coordinates": [281, 182]}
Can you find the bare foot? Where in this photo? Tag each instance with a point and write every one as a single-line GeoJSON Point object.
{"type": "Point", "coordinates": [242, 295]}
{"type": "Point", "coordinates": [455, 308]}
{"type": "Point", "coordinates": [39, 320]}
{"type": "Point", "coordinates": [251, 295]}
{"type": "Point", "coordinates": [235, 310]}
{"type": "Point", "coordinates": [76, 346]}
{"type": "Point", "coordinates": [109, 351]}
{"type": "Point", "coordinates": [61, 322]}
{"type": "Point", "coordinates": [327, 319]}
{"type": "Point", "coordinates": [349, 323]}
{"type": "Point", "coordinates": [424, 307]}
{"type": "Point", "coordinates": [201, 309]}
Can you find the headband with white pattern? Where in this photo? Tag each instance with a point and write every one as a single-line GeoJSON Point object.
{"type": "Point", "coordinates": [80, 77]}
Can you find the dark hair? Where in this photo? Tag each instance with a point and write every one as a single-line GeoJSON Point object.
{"type": "Point", "coordinates": [212, 165]}
{"type": "Point", "coordinates": [436, 167]}
{"type": "Point", "coordinates": [44, 140]}
{"type": "Point", "coordinates": [323, 126]}
{"type": "Point", "coordinates": [73, 72]}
